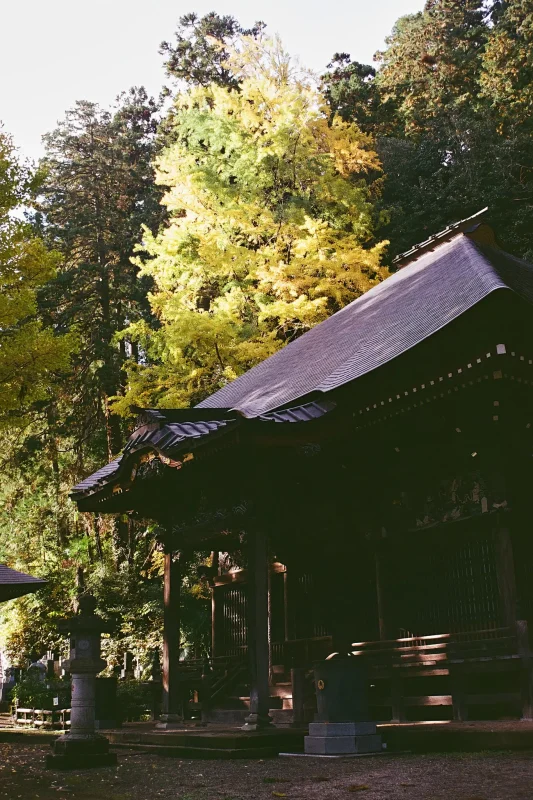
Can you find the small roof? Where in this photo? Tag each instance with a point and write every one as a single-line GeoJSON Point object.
{"type": "Point", "coordinates": [391, 318]}
{"type": "Point", "coordinates": [15, 584]}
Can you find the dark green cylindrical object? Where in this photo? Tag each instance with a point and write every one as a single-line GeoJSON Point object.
{"type": "Point", "coordinates": [341, 686]}
{"type": "Point", "coordinates": [106, 705]}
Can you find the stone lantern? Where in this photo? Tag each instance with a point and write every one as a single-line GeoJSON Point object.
{"type": "Point", "coordinates": [82, 747]}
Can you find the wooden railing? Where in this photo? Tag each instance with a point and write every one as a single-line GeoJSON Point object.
{"type": "Point", "coordinates": [204, 681]}
{"type": "Point", "coordinates": [397, 666]}
{"type": "Point", "coordinates": [41, 718]}
{"type": "Point", "coordinates": [492, 667]}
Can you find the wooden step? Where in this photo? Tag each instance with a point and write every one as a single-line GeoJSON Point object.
{"type": "Point", "coordinates": [211, 745]}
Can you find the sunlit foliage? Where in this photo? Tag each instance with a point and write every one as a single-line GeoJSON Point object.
{"type": "Point", "coordinates": [270, 227]}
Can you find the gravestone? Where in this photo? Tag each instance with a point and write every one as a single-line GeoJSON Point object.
{"type": "Point", "coordinates": [128, 667]}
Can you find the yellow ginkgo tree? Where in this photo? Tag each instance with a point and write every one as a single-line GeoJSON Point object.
{"type": "Point", "coordinates": [32, 356]}
{"type": "Point", "coordinates": [270, 227]}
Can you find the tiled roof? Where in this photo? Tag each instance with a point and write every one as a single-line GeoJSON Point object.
{"type": "Point", "coordinates": [167, 438]}
{"type": "Point", "coordinates": [15, 584]}
{"type": "Point", "coordinates": [170, 438]}
{"type": "Point", "coordinates": [391, 318]}
{"type": "Point", "coordinates": [440, 280]}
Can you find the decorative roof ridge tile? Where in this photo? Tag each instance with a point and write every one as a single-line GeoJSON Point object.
{"type": "Point", "coordinates": [454, 229]}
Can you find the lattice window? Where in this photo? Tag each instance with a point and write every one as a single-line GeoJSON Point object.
{"type": "Point", "coordinates": [443, 581]}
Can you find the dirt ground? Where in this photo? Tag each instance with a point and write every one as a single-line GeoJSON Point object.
{"type": "Point", "coordinates": [141, 776]}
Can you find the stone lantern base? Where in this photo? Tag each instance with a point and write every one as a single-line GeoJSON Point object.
{"type": "Point", "coordinates": [80, 753]}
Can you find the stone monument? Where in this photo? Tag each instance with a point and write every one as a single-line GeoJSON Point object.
{"type": "Point", "coordinates": [342, 726]}
{"type": "Point", "coordinates": [82, 747]}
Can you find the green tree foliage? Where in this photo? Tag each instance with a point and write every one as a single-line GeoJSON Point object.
{"type": "Point", "coordinates": [270, 227]}
{"type": "Point", "coordinates": [98, 190]}
{"type": "Point", "coordinates": [431, 66]}
{"type": "Point", "coordinates": [507, 78]}
{"type": "Point", "coordinates": [32, 356]}
{"type": "Point", "coordinates": [350, 90]}
{"type": "Point", "coordinates": [443, 109]}
{"type": "Point", "coordinates": [199, 54]}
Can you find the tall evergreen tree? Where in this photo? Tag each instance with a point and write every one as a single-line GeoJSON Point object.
{"type": "Point", "coordinates": [432, 63]}
{"type": "Point", "coordinates": [98, 192]}
{"type": "Point", "coordinates": [350, 90]}
{"type": "Point", "coordinates": [447, 145]}
{"type": "Point", "coordinates": [507, 77]}
{"type": "Point", "coordinates": [199, 54]}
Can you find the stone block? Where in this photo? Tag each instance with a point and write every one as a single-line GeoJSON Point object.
{"type": "Point", "coordinates": [334, 745]}
{"type": "Point", "coordinates": [368, 744]}
{"type": "Point", "coordinates": [342, 728]}
{"type": "Point", "coordinates": [71, 752]}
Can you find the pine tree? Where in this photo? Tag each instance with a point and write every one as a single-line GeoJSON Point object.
{"type": "Point", "coordinates": [270, 230]}
{"type": "Point", "coordinates": [199, 54]}
{"type": "Point", "coordinates": [351, 93]}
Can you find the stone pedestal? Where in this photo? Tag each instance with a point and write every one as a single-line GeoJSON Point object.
{"type": "Point", "coordinates": [342, 738]}
{"type": "Point", "coordinates": [82, 747]}
{"type": "Point", "coordinates": [73, 752]}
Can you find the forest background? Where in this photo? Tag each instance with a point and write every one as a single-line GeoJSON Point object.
{"type": "Point", "coordinates": [164, 246]}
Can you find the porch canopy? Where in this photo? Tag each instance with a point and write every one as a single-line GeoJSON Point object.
{"type": "Point", "coordinates": [16, 584]}
{"type": "Point", "coordinates": [324, 436]}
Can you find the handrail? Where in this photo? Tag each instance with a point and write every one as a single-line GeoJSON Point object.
{"type": "Point", "coordinates": [432, 636]}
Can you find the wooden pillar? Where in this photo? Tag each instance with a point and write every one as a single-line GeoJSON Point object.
{"type": "Point", "coordinates": [381, 596]}
{"type": "Point", "coordinates": [215, 569]}
{"type": "Point", "coordinates": [287, 661]}
{"type": "Point", "coordinates": [298, 696]}
{"type": "Point", "coordinates": [526, 676]}
{"type": "Point", "coordinates": [506, 576]}
{"type": "Point", "coordinates": [258, 631]}
{"type": "Point", "coordinates": [286, 618]}
{"type": "Point", "coordinates": [171, 640]}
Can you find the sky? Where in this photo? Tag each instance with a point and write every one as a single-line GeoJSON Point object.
{"type": "Point", "coordinates": [54, 52]}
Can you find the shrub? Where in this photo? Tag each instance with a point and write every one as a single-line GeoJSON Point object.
{"type": "Point", "coordinates": [34, 692]}
{"type": "Point", "coordinates": [134, 700]}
